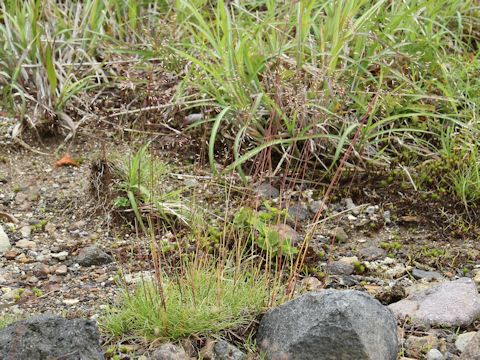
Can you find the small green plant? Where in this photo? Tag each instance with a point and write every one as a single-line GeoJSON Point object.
{"type": "Point", "coordinates": [18, 294]}
{"type": "Point", "coordinates": [433, 253]}
{"type": "Point", "coordinates": [40, 226]}
{"type": "Point", "coordinates": [6, 320]}
{"type": "Point", "coordinates": [258, 226]}
{"type": "Point", "coordinates": [201, 302]}
{"type": "Point", "coordinates": [359, 267]}
{"type": "Point", "coordinates": [141, 189]}
{"type": "Point", "coordinates": [391, 246]}
{"type": "Point", "coordinates": [37, 292]}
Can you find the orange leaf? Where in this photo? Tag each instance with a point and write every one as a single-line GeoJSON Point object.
{"type": "Point", "coordinates": [66, 160]}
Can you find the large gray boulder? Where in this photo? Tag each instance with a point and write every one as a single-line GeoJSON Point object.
{"type": "Point", "coordinates": [452, 303]}
{"type": "Point", "coordinates": [329, 325]}
{"type": "Point", "coordinates": [50, 337]}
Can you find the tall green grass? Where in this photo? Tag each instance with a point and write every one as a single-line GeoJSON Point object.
{"type": "Point", "coordinates": [277, 81]}
{"type": "Point", "coordinates": [202, 302]}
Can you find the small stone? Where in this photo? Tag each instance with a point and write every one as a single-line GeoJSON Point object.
{"type": "Point", "coordinates": [371, 253]}
{"type": "Point", "coordinates": [4, 241]}
{"type": "Point", "coordinates": [476, 277]}
{"type": "Point", "coordinates": [311, 283]}
{"type": "Point", "coordinates": [225, 351]}
{"type": "Point", "coordinates": [340, 268]}
{"type": "Point", "coordinates": [77, 225]}
{"type": "Point", "coordinates": [351, 206]}
{"type": "Point", "coordinates": [190, 182]}
{"type": "Point", "coordinates": [286, 232]}
{"type": "Point", "coordinates": [41, 271]}
{"type": "Point", "coordinates": [340, 234]}
{"type": "Point", "coordinates": [390, 294]}
{"type": "Point", "coordinates": [20, 197]}
{"type": "Point", "coordinates": [26, 244]}
{"type": "Point", "coordinates": [370, 210]}
{"type": "Point", "coordinates": [70, 301]}
{"type": "Point", "coordinates": [463, 340]}
{"type": "Point", "coordinates": [26, 231]}
{"type": "Point", "coordinates": [417, 346]}
{"type": "Point", "coordinates": [434, 354]}
{"type": "Point", "coordinates": [472, 349]}
{"type": "Point", "coordinates": [387, 217]}
{"type": "Point", "coordinates": [298, 212]}
{"type": "Point", "coordinates": [192, 118]}
{"type": "Point", "coordinates": [10, 255]}
{"type": "Point", "coordinates": [427, 275]}
{"type": "Point", "coordinates": [92, 255]}
{"type": "Point", "coordinates": [32, 279]}
{"type": "Point", "coordinates": [266, 191]}
{"type": "Point", "coordinates": [206, 352]}
{"type": "Point", "coordinates": [22, 258]}
{"type": "Point", "coordinates": [33, 195]}
{"type": "Point", "coordinates": [316, 205]}
{"type": "Point", "coordinates": [169, 351]}
{"type": "Point", "coordinates": [388, 268]}
{"type": "Point", "coordinates": [61, 270]}
{"type": "Point", "coordinates": [60, 256]}
{"type": "Point", "coordinates": [351, 260]}
{"type": "Point", "coordinates": [50, 228]}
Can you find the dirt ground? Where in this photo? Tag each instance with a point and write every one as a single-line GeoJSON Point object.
{"type": "Point", "coordinates": [55, 210]}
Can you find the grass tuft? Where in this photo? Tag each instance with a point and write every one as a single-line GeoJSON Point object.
{"type": "Point", "coordinates": [202, 302]}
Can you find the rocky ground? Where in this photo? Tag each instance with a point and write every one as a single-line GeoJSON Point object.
{"type": "Point", "coordinates": [63, 253]}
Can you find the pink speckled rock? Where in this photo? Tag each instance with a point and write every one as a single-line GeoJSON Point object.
{"type": "Point", "coordinates": [453, 303]}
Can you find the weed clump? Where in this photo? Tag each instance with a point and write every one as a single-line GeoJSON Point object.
{"type": "Point", "coordinates": [203, 301]}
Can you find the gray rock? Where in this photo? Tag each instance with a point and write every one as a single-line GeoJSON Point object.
{"type": "Point", "coordinates": [472, 349]}
{"type": "Point", "coordinates": [449, 356]}
{"type": "Point", "coordinates": [266, 191]}
{"type": "Point", "coordinates": [26, 244]}
{"type": "Point", "coordinates": [387, 217]}
{"type": "Point", "coordinates": [434, 354]}
{"type": "Point", "coordinates": [26, 231]}
{"type": "Point", "coordinates": [463, 340]}
{"type": "Point", "coordinates": [340, 234]}
{"type": "Point", "coordinates": [340, 268]}
{"type": "Point", "coordinates": [370, 210]}
{"type": "Point", "coordinates": [329, 324]}
{"type": "Point", "coordinates": [41, 271]}
{"type": "Point", "coordinates": [92, 255]}
{"type": "Point", "coordinates": [62, 255]}
{"type": "Point", "coordinates": [225, 351]}
{"type": "Point", "coordinates": [427, 275]}
{"type": "Point", "coordinates": [50, 337]}
{"type": "Point", "coordinates": [316, 205]}
{"type": "Point", "coordinates": [4, 241]}
{"type": "Point", "coordinates": [298, 212]}
{"type": "Point", "coordinates": [169, 351]}
{"type": "Point", "coordinates": [351, 206]}
{"type": "Point", "coordinates": [371, 253]}
{"type": "Point", "coordinates": [454, 303]}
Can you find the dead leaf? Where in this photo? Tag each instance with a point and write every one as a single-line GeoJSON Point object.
{"type": "Point", "coordinates": [66, 160]}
